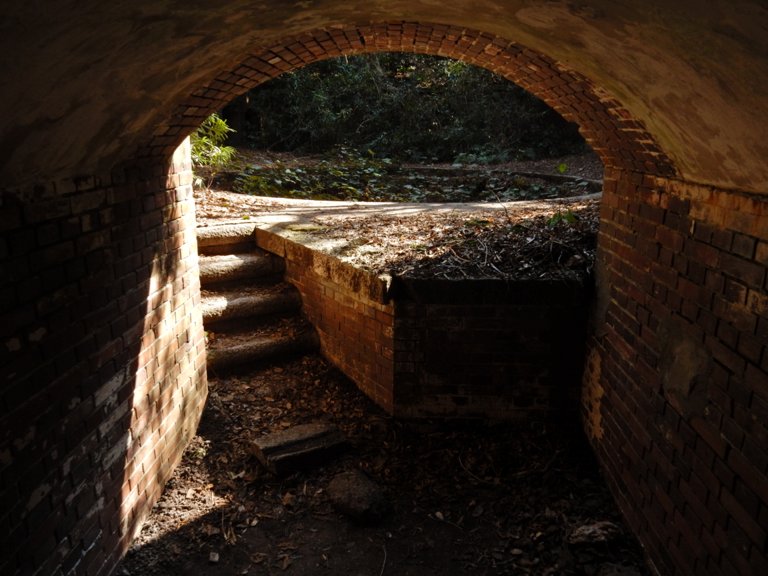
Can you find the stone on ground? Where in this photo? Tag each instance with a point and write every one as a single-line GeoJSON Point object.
{"type": "Point", "coordinates": [355, 495]}
{"type": "Point", "coordinates": [595, 533]}
{"type": "Point", "coordinates": [611, 569]}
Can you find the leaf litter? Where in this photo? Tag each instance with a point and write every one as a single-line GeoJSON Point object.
{"type": "Point", "coordinates": [539, 241]}
{"type": "Point", "coordinates": [467, 497]}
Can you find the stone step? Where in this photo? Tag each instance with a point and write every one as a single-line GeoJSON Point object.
{"type": "Point", "coordinates": [299, 447]}
{"type": "Point", "coordinates": [223, 268]}
{"type": "Point", "coordinates": [229, 351]}
{"type": "Point", "coordinates": [244, 304]}
{"type": "Point", "coordinates": [226, 238]}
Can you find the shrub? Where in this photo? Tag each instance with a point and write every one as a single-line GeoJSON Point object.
{"type": "Point", "coordinates": [209, 154]}
{"type": "Point", "coordinates": [407, 107]}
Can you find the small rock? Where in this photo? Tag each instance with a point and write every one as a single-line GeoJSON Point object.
{"type": "Point", "coordinates": [357, 496]}
{"type": "Point", "coordinates": [617, 570]}
{"type": "Point", "coordinates": [213, 557]}
{"type": "Point", "coordinates": [597, 532]}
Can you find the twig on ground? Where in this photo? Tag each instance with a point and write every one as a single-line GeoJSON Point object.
{"type": "Point", "coordinates": [384, 562]}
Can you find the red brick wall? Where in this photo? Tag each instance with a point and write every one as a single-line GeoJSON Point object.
{"type": "Point", "coordinates": [676, 386]}
{"type": "Point", "coordinates": [490, 349]}
{"type": "Point", "coordinates": [350, 311]}
{"type": "Point", "coordinates": [103, 362]}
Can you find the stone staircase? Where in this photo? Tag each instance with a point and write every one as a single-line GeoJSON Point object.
{"type": "Point", "coordinates": [250, 313]}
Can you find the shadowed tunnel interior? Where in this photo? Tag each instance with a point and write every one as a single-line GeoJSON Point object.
{"type": "Point", "coordinates": [103, 362]}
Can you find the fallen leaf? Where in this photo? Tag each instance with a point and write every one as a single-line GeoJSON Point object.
{"type": "Point", "coordinates": [285, 561]}
{"type": "Point", "coordinates": [288, 500]}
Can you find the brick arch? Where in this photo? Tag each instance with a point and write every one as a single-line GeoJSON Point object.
{"type": "Point", "coordinates": [620, 140]}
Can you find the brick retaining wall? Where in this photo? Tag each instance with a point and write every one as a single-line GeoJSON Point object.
{"type": "Point", "coordinates": [431, 348]}
{"type": "Point", "coordinates": [103, 362]}
{"type": "Point", "coordinates": [489, 348]}
{"type": "Point", "coordinates": [350, 311]}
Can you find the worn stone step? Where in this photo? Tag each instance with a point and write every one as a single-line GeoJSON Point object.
{"type": "Point", "coordinates": [299, 447]}
{"type": "Point", "coordinates": [234, 267]}
{"type": "Point", "coordinates": [226, 238]}
{"type": "Point", "coordinates": [229, 351]}
{"type": "Point", "coordinates": [248, 303]}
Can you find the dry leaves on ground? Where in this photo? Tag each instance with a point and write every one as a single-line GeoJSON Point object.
{"type": "Point", "coordinates": [541, 241]}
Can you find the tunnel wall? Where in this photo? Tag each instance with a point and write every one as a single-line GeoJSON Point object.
{"type": "Point", "coordinates": [103, 362]}
{"type": "Point", "coordinates": [675, 396]}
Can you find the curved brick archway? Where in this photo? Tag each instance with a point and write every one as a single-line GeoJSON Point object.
{"type": "Point", "coordinates": [620, 140]}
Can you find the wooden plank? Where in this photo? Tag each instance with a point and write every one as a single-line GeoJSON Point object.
{"type": "Point", "coordinates": [299, 448]}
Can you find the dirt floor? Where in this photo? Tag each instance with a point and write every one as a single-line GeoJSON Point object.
{"type": "Point", "coordinates": [470, 497]}
{"type": "Point", "coordinates": [464, 497]}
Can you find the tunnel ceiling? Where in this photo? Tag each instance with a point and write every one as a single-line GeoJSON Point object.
{"type": "Point", "coordinates": [86, 83]}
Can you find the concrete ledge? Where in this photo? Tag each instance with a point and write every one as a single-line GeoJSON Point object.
{"type": "Point", "coordinates": [359, 282]}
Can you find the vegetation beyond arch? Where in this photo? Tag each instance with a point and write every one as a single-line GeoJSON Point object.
{"type": "Point", "coordinates": [405, 106]}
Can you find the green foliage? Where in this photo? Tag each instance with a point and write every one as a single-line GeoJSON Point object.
{"type": "Point", "coordinates": [567, 217]}
{"type": "Point", "coordinates": [209, 154]}
{"type": "Point", "coordinates": [344, 175]}
{"type": "Point", "coordinates": [348, 175]}
{"type": "Point", "coordinates": [405, 106]}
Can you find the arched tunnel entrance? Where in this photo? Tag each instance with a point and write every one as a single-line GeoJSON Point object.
{"type": "Point", "coordinates": [103, 359]}
{"type": "Point", "coordinates": [610, 129]}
